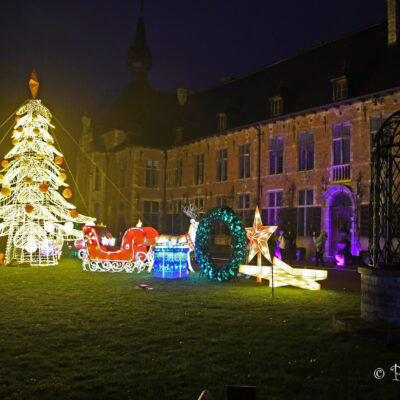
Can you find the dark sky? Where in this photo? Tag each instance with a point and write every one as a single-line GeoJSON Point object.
{"type": "Point", "coordinates": [79, 48]}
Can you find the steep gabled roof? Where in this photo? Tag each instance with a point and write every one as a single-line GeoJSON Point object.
{"type": "Point", "coordinates": [303, 81]}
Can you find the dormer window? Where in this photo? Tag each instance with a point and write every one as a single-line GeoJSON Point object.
{"type": "Point", "coordinates": [222, 121]}
{"type": "Point", "coordinates": [339, 88]}
{"type": "Point", "coordinates": [178, 135]}
{"type": "Point", "coordinates": [276, 105]}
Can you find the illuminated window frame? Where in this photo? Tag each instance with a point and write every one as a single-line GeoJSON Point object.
{"type": "Point", "coordinates": [306, 150]}
{"type": "Point", "coordinates": [244, 161]}
{"type": "Point", "coordinates": [152, 173]}
{"type": "Point", "coordinates": [243, 208]}
{"type": "Point", "coordinates": [199, 169]}
{"type": "Point", "coordinates": [222, 164]}
{"type": "Point", "coordinates": [305, 204]}
{"type": "Point", "coordinates": [276, 106]}
{"type": "Point", "coordinates": [276, 155]}
{"type": "Point", "coordinates": [275, 203]}
{"type": "Point", "coordinates": [339, 88]}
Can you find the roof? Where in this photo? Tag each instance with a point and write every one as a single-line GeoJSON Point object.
{"type": "Point", "coordinates": [303, 81]}
{"type": "Point", "coordinates": [148, 117]}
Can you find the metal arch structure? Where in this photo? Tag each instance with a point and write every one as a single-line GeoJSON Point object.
{"type": "Point", "coordinates": [384, 233]}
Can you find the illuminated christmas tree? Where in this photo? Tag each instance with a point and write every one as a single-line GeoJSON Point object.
{"type": "Point", "coordinates": [36, 218]}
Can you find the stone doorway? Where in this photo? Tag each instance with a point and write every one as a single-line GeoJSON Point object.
{"type": "Point", "coordinates": [339, 210]}
{"type": "Point", "coordinates": [341, 219]}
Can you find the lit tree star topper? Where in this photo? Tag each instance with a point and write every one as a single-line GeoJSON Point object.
{"type": "Point", "coordinates": [36, 218]}
{"type": "Point", "coordinates": [258, 236]}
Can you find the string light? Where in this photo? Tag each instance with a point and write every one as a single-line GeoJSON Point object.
{"type": "Point", "coordinates": [279, 273]}
{"type": "Point", "coordinates": [35, 217]}
{"type": "Point", "coordinates": [238, 240]}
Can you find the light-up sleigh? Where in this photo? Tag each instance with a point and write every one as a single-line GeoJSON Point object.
{"type": "Point", "coordinates": [134, 254]}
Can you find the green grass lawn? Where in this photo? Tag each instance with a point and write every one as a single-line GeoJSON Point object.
{"type": "Point", "coordinates": [69, 334]}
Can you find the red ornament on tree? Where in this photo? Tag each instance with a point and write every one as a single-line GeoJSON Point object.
{"type": "Point", "coordinates": [29, 208]}
{"type": "Point", "coordinates": [73, 213]}
{"type": "Point", "coordinates": [43, 187]}
{"type": "Point", "coordinates": [67, 193]}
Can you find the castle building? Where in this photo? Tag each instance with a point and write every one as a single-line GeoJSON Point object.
{"type": "Point", "coordinates": [293, 137]}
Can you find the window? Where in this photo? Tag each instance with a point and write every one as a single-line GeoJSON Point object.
{"type": "Point", "coordinates": [152, 173]}
{"type": "Point", "coordinates": [276, 155]}
{"type": "Point", "coordinates": [178, 135]}
{"type": "Point", "coordinates": [243, 208]}
{"type": "Point", "coordinates": [222, 165]}
{"type": "Point", "coordinates": [275, 202]}
{"type": "Point", "coordinates": [306, 150]}
{"type": "Point", "coordinates": [221, 201]}
{"type": "Point", "coordinates": [178, 172]}
{"type": "Point", "coordinates": [150, 213]}
{"type": "Point", "coordinates": [222, 121]}
{"type": "Point", "coordinates": [97, 179]}
{"type": "Point", "coordinates": [176, 217]}
{"type": "Point", "coordinates": [340, 88]}
{"type": "Point", "coordinates": [244, 160]}
{"type": "Point", "coordinates": [341, 143]}
{"type": "Point", "coordinates": [96, 210]}
{"type": "Point", "coordinates": [122, 174]}
{"type": "Point", "coordinates": [376, 122]}
{"type": "Point", "coordinates": [220, 227]}
{"type": "Point", "coordinates": [199, 203]}
{"type": "Point", "coordinates": [304, 212]}
{"type": "Point", "coordinates": [276, 106]}
{"type": "Point", "coordinates": [199, 169]}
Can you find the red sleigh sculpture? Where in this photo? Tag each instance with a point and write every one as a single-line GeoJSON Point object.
{"type": "Point", "coordinates": [135, 252]}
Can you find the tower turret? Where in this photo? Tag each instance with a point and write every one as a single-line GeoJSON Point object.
{"type": "Point", "coordinates": [139, 56]}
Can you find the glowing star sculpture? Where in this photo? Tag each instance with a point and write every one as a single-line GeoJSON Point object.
{"type": "Point", "coordinates": [35, 216]}
{"type": "Point", "coordinates": [279, 273]}
{"type": "Point", "coordinates": [258, 236]}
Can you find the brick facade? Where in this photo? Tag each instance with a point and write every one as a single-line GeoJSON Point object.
{"type": "Point", "coordinates": [122, 203]}
{"type": "Point", "coordinates": [305, 161]}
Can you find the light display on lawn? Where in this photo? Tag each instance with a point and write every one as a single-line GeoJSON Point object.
{"type": "Point", "coordinates": [278, 273]}
{"type": "Point", "coordinates": [238, 240]}
{"type": "Point", "coordinates": [170, 262]}
{"type": "Point", "coordinates": [134, 254]}
{"type": "Point", "coordinates": [188, 239]}
{"type": "Point", "coordinates": [36, 218]}
{"type": "Point", "coordinates": [258, 236]}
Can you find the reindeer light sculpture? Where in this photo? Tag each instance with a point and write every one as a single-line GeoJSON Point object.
{"type": "Point", "coordinates": [186, 240]}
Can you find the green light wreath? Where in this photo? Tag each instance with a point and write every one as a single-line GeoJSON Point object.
{"type": "Point", "coordinates": [239, 243]}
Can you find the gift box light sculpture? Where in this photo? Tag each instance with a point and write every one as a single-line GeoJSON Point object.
{"type": "Point", "coordinates": [35, 217]}
{"type": "Point", "coordinates": [278, 273]}
{"type": "Point", "coordinates": [170, 262]}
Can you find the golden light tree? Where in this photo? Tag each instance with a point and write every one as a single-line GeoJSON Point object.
{"type": "Point", "coordinates": [36, 218]}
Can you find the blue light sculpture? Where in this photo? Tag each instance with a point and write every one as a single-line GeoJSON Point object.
{"type": "Point", "coordinates": [170, 262]}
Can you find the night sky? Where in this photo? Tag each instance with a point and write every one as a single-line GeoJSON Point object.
{"type": "Point", "coordinates": [79, 48]}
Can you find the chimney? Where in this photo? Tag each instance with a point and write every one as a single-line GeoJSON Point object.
{"type": "Point", "coordinates": [181, 93]}
{"type": "Point", "coordinates": [392, 23]}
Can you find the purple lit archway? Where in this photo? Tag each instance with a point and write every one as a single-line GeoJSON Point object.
{"type": "Point", "coordinates": [330, 195]}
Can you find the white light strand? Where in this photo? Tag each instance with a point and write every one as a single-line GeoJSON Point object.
{"type": "Point", "coordinates": [36, 218]}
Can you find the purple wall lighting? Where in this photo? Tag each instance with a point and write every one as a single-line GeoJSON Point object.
{"type": "Point", "coordinates": [170, 262]}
